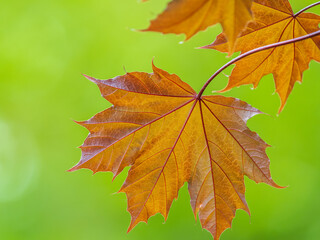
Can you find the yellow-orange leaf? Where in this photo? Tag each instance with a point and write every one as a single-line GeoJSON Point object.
{"type": "Point", "coordinates": [169, 136]}
{"type": "Point", "coordinates": [192, 16]}
{"type": "Point", "coordinates": [274, 22]}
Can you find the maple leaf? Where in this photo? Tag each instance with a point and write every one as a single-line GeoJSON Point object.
{"type": "Point", "coordinates": [168, 135]}
{"type": "Point", "coordinates": [192, 16]}
{"type": "Point", "coordinates": [274, 22]}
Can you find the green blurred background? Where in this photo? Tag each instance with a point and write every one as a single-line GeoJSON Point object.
{"type": "Point", "coordinates": [44, 48]}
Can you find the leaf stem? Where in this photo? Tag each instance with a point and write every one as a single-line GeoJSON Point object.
{"type": "Point", "coordinates": [306, 8]}
{"type": "Point", "coordinates": [263, 48]}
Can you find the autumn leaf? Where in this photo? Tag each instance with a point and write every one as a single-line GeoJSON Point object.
{"type": "Point", "coordinates": [168, 135]}
{"type": "Point", "coordinates": [192, 16]}
{"type": "Point", "coordinates": [274, 22]}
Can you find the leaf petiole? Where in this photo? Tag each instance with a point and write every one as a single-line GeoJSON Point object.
{"type": "Point", "coordinates": [263, 48]}
{"type": "Point", "coordinates": [306, 8]}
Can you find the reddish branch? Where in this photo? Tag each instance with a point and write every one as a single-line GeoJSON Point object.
{"type": "Point", "coordinates": [298, 39]}
{"type": "Point", "coordinates": [306, 8]}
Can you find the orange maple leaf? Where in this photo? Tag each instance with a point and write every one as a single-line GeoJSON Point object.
{"type": "Point", "coordinates": [169, 135]}
{"type": "Point", "coordinates": [191, 16]}
{"type": "Point", "coordinates": [274, 22]}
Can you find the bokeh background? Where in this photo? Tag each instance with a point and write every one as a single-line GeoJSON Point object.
{"type": "Point", "coordinates": [44, 48]}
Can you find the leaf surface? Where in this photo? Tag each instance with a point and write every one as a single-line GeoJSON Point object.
{"type": "Point", "coordinates": [191, 16]}
{"type": "Point", "coordinates": [168, 136]}
{"type": "Point", "coordinates": [274, 22]}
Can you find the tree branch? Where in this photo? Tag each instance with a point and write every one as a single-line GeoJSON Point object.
{"type": "Point", "coordinates": [306, 8]}
{"type": "Point", "coordinates": [263, 48]}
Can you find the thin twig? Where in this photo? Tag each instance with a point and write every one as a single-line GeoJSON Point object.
{"type": "Point", "coordinates": [306, 8]}
{"type": "Point", "coordinates": [298, 39]}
